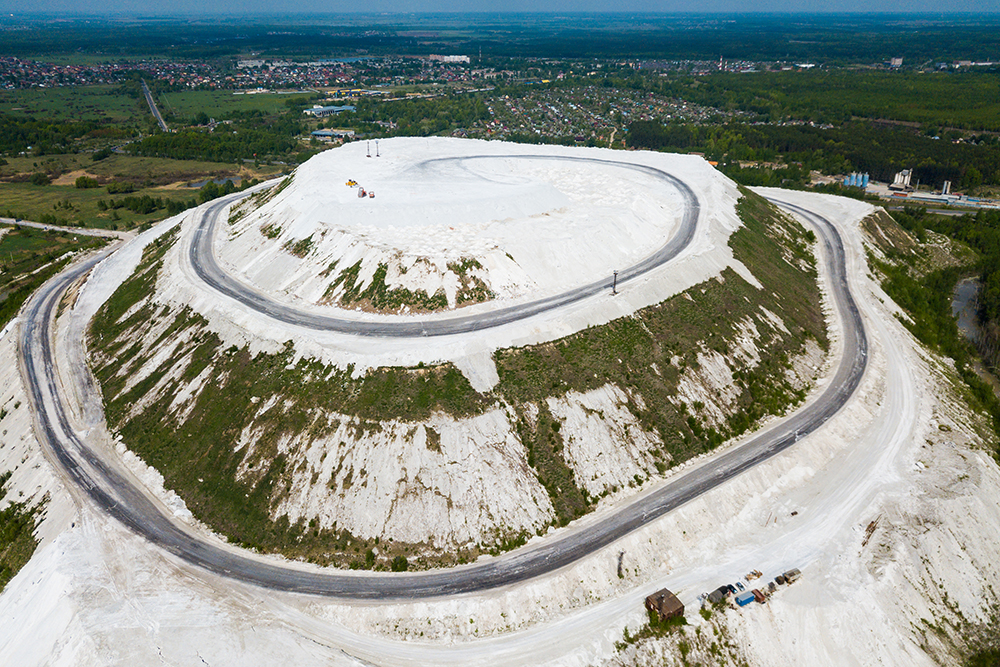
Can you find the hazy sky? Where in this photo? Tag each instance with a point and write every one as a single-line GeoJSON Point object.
{"type": "Point", "coordinates": [161, 7]}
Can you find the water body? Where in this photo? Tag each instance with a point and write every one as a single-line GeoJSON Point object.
{"type": "Point", "coordinates": [964, 303]}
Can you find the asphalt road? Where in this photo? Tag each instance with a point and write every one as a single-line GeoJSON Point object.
{"type": "Point", "coordinates": [202, 258]}
{"type": "Point", "coordinates": [116, 495]}
{"type": "Point", "coordinates": [152, 106]}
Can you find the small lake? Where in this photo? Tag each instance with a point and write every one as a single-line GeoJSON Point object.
{"type": "Point", "coordinates": [964, 302]}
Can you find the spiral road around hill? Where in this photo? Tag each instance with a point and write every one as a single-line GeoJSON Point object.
{"type": "Point", "coordinates": [118, 496]}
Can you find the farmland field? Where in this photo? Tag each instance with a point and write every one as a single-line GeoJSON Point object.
{"type": "Point", "coordinates": [222, 103]}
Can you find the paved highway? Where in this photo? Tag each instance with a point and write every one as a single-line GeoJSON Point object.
{"type": "Point", "coordinates": [152, 106]}
{"type": "Point", "coordinates": [116, 495]}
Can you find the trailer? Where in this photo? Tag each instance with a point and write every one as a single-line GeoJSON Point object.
{"type": "Point", "coordinates": [792, 575]}
{"type": "Point", "coordinates": [744, 598]}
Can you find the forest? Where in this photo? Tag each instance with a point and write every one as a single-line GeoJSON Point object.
{"type": "Point", "coordinates": [252, 136]}
{"type": "Point", "coordinates": [938, 100]}
{"type": "Point", "coordinates": [834, 39]}
{"type": "Point", "coordinates": [42, 136]}
{"type": "Point", "coordinates": [880, 150]}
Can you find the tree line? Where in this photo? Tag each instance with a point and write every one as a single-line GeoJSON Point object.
{"type": "Point", "coordinates": [859, 146]}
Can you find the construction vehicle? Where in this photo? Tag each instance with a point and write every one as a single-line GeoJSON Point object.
{"type": "Point", "coordinates": [351, 183]}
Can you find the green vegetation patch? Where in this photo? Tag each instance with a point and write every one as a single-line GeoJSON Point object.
{"type": "Point", "coordinates": [71, 103]}
{"type": "Point", "coordinates": [380, 298]}
{"type": "Point", "coordinates": [653, 629]}
{"type": "Point", "coordinates": [888, 236]}
{"type": "Point", "coordinates": [29, 257]}
{"type": "Point", "coordinates": [187, 104]}
{"type": "Point", "coordinates": [544, 444]}
{"type": "Point", "coordinates": [644, 354]}
{"type": "Point", "coordinates": [299, 248]}
{"type": "Point", "coordinates": [17, 539]}
{"type": "Point", "coordinates": [925, 292]}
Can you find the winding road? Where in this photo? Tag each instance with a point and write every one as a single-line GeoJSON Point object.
{"type": "Point", "coordinates": [114, 493]}
{"type": "Point", "coordinates": [202, 258]}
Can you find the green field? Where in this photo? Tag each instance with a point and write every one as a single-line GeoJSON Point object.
{"type": "Point", "coordinates": [67, 205]}
{"type": "Point", "coordinates": [98, 103]}
{"type": "Point", "coordinates": [221, 104]}
{"type": "Point", "coordinates": [158, 171]}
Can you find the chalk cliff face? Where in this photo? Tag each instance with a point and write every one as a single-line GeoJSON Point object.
{"type": "Point", "coordinates": [452, 223]}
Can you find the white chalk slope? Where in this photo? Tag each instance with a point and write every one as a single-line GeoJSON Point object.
{"type": "Point", "coordinates": [534, 226]}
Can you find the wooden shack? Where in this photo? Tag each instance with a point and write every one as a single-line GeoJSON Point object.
{"type": "Point", "coordinates": [665, 604]}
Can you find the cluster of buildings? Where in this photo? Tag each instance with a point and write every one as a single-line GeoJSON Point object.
{"type": "Point", "coordinates": [19, 73]}
{"type": "Point", "coordinates": [720, 65]}
{"type": "Point", "coordinates": [587, 112]}
{"type": "Point", "coordinates": [249, 73]}
{"type": "Point", "coordinates": [270, 74]}
{"type": "Point", "coordinates": [902, 188]}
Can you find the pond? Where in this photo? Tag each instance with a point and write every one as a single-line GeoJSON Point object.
{"type": "Point", "coordinates": [964, 303]}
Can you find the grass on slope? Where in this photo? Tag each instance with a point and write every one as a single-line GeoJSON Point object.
{"type": "Point", "coordinates": [29, 257]}
{"type": "Point", "coordinates": [17, 540]}
{"type": "Point", "coordinates": [645, 354]}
